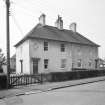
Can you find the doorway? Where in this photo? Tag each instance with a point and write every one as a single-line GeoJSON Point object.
{"type": "Point", "coordinates": [35, 66]}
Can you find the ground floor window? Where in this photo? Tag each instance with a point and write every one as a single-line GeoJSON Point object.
{"type": "Point", "coordinates": [63, 63]}
{"type": "Point", "coordinates": [45, 63]}
{"type": "Point", "coordinates": [90, 63]}
{"type": "Point", "coordinates": [79, 63]}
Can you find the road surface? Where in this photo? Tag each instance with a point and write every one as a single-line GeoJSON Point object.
{"type": "Point", "coordinates": [86, 94]}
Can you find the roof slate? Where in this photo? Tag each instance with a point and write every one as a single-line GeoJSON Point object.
{"type": "Point", "coordinates": [53, 33]}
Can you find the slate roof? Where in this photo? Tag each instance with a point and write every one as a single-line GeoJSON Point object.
{"type": "Point", "coordinates": [53, 33]}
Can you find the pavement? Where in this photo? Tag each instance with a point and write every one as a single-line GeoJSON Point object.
{"type": "Point", "coordinates": [48, 86]}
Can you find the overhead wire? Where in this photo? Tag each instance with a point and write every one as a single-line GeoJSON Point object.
{"type": "Point", "coordinates": [25, 10]}
{"type": "Point", "coordinates": [17, 24]}
{"type": "Point", "coordinates": [27, 3]}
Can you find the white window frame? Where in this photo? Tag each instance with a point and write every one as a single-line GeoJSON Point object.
{"type": "Point", "coordinates": [46, 62]}
{"type": "Point", "coordinates": [45, 46]}
{"type": "Point", "coordinates": [79, 63]}
{"type": "Point", "coordinates": [62, 47]}
{"type": "Point", "coordinates": [63, 63]}
{"type": "Point", "coordinates": [90, 63]}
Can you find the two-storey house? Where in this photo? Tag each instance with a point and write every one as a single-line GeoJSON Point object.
{"type": "Point", "coordinates": [54, 49]}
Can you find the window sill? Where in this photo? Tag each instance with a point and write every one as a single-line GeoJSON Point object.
{"type": "Point", "coordinates": [62, 68]}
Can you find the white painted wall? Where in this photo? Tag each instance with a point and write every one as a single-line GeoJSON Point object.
{"type": "Point", "coordinates": [85, 53]}
{"type": "Point", "coordinates": [34, 48]}
{"type": "Point", "coordinates": [54, 55]}
{"type": "Point", "coordinates": [22, 52]}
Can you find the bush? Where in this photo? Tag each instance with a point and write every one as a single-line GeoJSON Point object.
{"type": "Point", "coordinates": [1, 70]}
{"type": "Point", "coordinates": [3, 81]}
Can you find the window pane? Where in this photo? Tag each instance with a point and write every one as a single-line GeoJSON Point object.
{"type": "Point", "coordinates": [79, 63]}
{"type": "Point", "coordinates": [90, 63]}
{"type": "Point", "coordinates": [62, 47]}
{"type": "Point", "coordinates": [45, 46]}
{"type": "Point", "coordinates": [45, 63]}
{"type": "Point", "coordinates": [63, 63]}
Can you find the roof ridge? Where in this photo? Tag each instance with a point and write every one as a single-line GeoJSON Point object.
{"type": "Point", "coordinates": [53, 33]}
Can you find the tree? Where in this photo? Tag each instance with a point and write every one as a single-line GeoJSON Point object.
{"type": "Point", "coordinates": [2, 60]}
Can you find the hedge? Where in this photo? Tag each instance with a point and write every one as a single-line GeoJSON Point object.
{"type": "Point", "coordinates": [72, 75]}
{"type": "Point", "coordinates": [3, 81]}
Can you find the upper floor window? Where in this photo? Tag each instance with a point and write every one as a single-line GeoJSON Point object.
{"type": "Point", "coordinates": [45, 46]}
{"type": "Point", "coordinates": [46, 63]}
{"type": "Point", "coordinates": [62, 47]}
{"type": "Point", "coordinates": [63, 63]}
{"type": "Point", "coordinates": [79, 63]}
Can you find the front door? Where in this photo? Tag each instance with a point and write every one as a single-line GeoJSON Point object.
{"type": "Point", "coordinates": [35, 66]}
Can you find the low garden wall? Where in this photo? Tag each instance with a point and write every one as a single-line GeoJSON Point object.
{"type": "Point", "coordinates": [26, 79]}
{"type": "Point", "coordinates": [71, 75]}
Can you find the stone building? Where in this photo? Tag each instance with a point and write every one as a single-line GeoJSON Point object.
{"type": "Point", "coordinates": [54, 49]}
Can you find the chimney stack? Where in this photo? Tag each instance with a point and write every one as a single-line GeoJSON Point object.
{"type": "Point", "coordinates": [73, 27]}
{"type": "Point", "coordinates": [59, 23]}
{"type": "Point", "coordinates": [42, 19]}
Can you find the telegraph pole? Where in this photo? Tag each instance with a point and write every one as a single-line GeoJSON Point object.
{"type": "Point", "coordinates": [8, 42]}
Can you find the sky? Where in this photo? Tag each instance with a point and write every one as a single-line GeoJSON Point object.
{"type": "Point", "coordinates": [88, 14]}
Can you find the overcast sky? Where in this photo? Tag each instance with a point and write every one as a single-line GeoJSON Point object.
{"type": "Point", "coordinates": [88, 14]}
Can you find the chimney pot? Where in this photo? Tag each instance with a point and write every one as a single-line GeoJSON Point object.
{"type": "Point", "coordinates": [42, 19]}
{"type": "Point", "coordinates": [73, 27]}
{"type": "Point", "coordinates": [59, 23]}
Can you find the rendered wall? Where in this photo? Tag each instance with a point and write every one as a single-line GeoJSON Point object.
{"type": "Point", "coordinates": [54, 55]}
{"type": "Point", "coordinates": [22, 53]}
{"type": "Point", "coordinates": [86, 54]}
